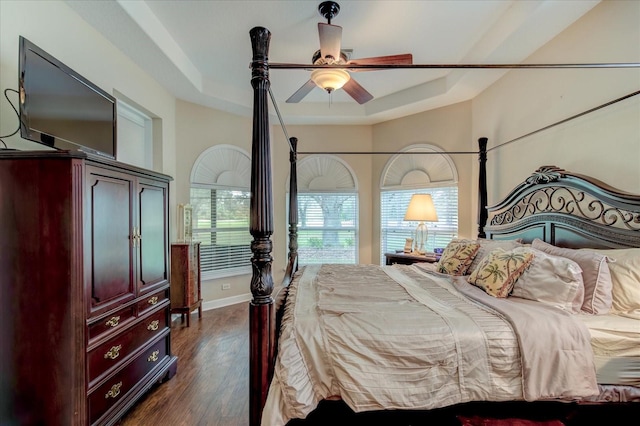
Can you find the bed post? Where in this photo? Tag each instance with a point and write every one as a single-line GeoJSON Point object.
{"type": "Point", "coordinates": [261, 319]}
{"type": "Point", "coordinates": [293, 205]}
{"type": "Point", "coordinates": [482, 188]}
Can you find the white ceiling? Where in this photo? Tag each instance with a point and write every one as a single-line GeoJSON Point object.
{"type": "Point", "coordinates": [201, 50]}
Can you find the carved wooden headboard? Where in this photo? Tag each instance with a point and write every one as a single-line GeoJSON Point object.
{"type": "Point", "coordinates": [568, 210]}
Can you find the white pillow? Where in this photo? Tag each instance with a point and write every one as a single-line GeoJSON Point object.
{"type": "Point", "coordinates": [625, 280]}
{"type": "Point", "coordinates": [553, 280]}
{"type": "Point", "coordinates": [595, 274]}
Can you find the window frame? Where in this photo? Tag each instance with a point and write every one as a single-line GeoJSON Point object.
{"type": "Point", "coordinates": [425, 171]}
{"type": "Point", "coordinates": [326, 174]}
{"type": "Point", "coordinates": [233, 270]}
{"type": "Point", "coordinates": [408, 228]}
{"type": "Point", "coordinates": [222, 167]}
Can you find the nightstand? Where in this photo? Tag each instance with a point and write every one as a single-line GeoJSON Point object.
{"type": "Point", "coordinates": [186, 294]}
{"type": "Point", "coordinates": [409, 258]}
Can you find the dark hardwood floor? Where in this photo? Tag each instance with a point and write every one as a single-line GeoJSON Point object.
{"type": "Point", "coordinates": [211, 386]}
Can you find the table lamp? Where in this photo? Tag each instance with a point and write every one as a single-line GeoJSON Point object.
{"type": "Point", "coordinates": [421, 209]}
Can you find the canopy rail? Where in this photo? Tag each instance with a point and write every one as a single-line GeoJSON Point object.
{"type": "Point", "coordinates": [284, 66]}
{"type": "Point", "coordinates": [557, 123]}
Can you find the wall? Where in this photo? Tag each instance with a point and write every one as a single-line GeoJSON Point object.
{"type": "Point", "coordinates": [604, 144]}
{"type": "Point", "coordinates": [57, 29]}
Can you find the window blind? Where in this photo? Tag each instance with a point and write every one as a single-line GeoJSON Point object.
{"type": "Point", "coordinates": [221, 224]}
{"type": "Point", "coordinates": [394, 230]}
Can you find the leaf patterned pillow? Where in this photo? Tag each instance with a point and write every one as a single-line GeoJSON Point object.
{"type": "Point", "coordinates": [499, 270]}
{"type": "Point", "coordinates": [457, 257]}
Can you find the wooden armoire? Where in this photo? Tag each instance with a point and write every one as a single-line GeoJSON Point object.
{"type": "Point", "coordinates": [84, 271]}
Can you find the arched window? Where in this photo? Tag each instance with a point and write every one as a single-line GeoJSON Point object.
{"type": "Point", "coordinates": [412, 173]}
{"type": "Point", "coordinates": [220, 197]}
{"type": "Point", "coordinates": [327, 211]}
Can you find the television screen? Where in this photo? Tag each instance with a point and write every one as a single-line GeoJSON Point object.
{"type": "Point", "coordinates": [60, 108]}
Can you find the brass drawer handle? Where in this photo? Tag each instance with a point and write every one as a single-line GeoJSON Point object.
{"type": "Point", "coordinates": [153, 357]}
{"type": "Point", "coordinates": [153, 300]}
{"type": "Point", "coordinates": [113, 321]}
{"type": "Point", "coordinates": [153, 326]}
{"type": "Point", "coordinates": [114, 391]}
{"type": "Point", "coordinates": [113, 353]}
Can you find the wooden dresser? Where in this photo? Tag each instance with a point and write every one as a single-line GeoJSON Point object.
{"type": "Point", "coordinates": [84, 272]}
{"type": "Point", "coordinates": [186, 292]}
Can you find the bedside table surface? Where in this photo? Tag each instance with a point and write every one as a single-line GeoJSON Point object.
{"type": "Point", "coordinates": [409, 258]}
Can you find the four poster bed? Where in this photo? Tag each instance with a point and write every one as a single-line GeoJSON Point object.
{"type": "Point", "coordinates": [420, 338]}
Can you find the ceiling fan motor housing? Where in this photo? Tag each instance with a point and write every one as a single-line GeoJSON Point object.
{"type": "Point", "coordinates": [329, 9]}
{"type": "Point", "coordinates": [317, 58]}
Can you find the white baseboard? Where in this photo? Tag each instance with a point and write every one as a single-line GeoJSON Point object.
{"type": "Point", "coordinates": [220, 303]}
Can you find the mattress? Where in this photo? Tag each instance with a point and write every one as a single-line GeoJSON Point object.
{"type": "Point", "coordinates": [616, 348]}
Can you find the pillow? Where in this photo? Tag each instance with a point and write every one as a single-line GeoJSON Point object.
{"type": "Point", "coordinates": [499, 270]}
{"type": "Point", "coordinates": [487, 245]}
{"type": "Point", "coordinates": [595, 274]}
{"type": "Point", "coordinates": [625, 280]}
{"type": "Point", "coordinates": [457, 257]}
{"type": "Point", "coordinates": [553, 280]}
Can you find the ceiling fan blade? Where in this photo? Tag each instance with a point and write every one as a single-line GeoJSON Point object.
{"type": "Point", "coordinates": [301, 92]}
{"type": "Point", "coordinates": [330, 39]}
{"type": "Point", "coordinates": [357, 92]}
{"type": "Point", "coordinates": [403, 59]}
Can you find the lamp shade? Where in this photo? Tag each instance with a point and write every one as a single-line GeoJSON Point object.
{"type": "Point", "coordinates": [421, 208]}
{"type": "Point", "coordinates": [330, 79]}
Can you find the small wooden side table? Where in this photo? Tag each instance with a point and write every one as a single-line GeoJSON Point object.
{"type": "Point", "coordinates": [186, 293]}
{"type": "Point", "coordinates": [409, 258]}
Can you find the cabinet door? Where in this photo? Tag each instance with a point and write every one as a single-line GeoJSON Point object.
{"type": "Point", "coordinates": [108, 225]}
{"type": "Point", "coordinates": [153, 250]}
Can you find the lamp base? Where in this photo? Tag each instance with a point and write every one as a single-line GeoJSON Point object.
{"type": "Point", "coordinates": [421, 238]}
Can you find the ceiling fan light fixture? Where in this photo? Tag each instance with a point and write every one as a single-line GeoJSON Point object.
{"type": "Point", "coordinates": [330, 79]}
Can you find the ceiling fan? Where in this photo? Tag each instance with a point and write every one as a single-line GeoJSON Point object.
{"type": "Point", "coordinates": [330, 53]}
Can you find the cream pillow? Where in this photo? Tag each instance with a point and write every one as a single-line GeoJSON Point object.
{"type": "Point", "coordinates": [499, 270]}
{"type": "Point", "coordinates": [457, 257]}
{"type": "Point", "coordinates": [595, 275]}
{"type": "Point", "coordinates": [625, 279]}
{"type": "Point", "coordinates": [487, 245]}
{"type": "Point", "coordinates": [553, 280]}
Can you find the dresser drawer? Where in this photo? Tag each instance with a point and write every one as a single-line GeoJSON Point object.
{"type": "Point", "coordinates": [112, 323]}
{"type": "Point", "coordinates": [151, 301]}
{"type": "Point", "coordinates": [117, 388]}
{"type": "Point", "coordinates": [114, 351]}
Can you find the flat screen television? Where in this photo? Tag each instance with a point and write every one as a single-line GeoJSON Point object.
{"type": "Point", "coordinates": [60, 108]}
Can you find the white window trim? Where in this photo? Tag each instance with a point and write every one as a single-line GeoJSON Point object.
{"type": "Point", "coordinates": [341, 190]}
{"type": "Point", "coordinates": [385, 187]}
{"type": "Point", "coordinates": [237, 186]}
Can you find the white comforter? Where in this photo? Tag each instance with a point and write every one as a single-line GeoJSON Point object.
{"type": "Point", "coordinates": [402, 338]}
